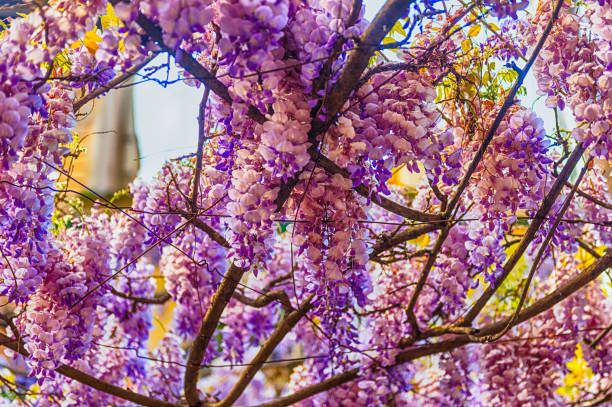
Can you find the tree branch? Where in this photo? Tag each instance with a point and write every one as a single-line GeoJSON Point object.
{"type": "Point", "coordinates": [191, 65]}
{"type": "Point", "coordinates": [591, 198]}
{"type": "Point", "coordinates": [211, 320]}
{"type": "Point", "coordinates": [283, 328]}
{"type": "Point", "coordinates": [422, 280]}
{"type": "Point", "coordinates": [391, 206]}
{"type": "Point", "coordinates": [418, 351]}
{"type": "Point", "coordinates": [265, 299]}
{"type": "Point", "coordinates": [81, 377]}
{"type": "Point", "coordinates": [561, 293]}
{"type": "Point", "coordinates": [409, 233]}
{"type": "Point", "coordinates": [599, 337]}
{"type": "Point", "coordinates": [200, 224]}
{"type": "Point", "coordinates": [201, 138]}
{"type": "Point", "coordinates": [76, 106]}
{"type": "Point", "coordinates": [508, 102]}
{"type": "Point", "coordinates": [529, 235]}
{"type": "Point", "coordinates": [539, 255]}
{"type": "Point", "coordinates": [158, 299]}
{"type": "Point", "coordinates": [348, 78]}
{"type": "Point", "coordinates": [313, 389]}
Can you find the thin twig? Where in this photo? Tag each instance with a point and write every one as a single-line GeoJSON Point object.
{"type": "Point", "coordinates": [200, 152]}
{"type": "Point", "coordinates": [76, 106]}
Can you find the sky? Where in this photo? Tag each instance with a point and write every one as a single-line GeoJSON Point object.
{"type": "Point", "coordinates": [166, 118]}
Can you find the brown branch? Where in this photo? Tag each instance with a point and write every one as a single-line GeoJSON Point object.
{"type": "Point", "coordinates": [191, 65]}
{"type": "Point", "coordinates": [418, 351]}
{"type": "Point", "coordinates": [90, 381]}
{"type": "Point", "coordinates": [394, 66]}
{"type": "Point", "coordinates": [536, 261]}
{"type": "Point", "coordinates": [76, 106]}
{"type": "Point", "coordinates": [561, 293]}
{"type": "Point", "coordinates": [408, 213]}
{"type": "Point", "coordinates": [358, 61]}
{"type": "Point", "coordinates": [422, 280]}
{"type": "Point", "coordinates": [200, 224]}
{"type": "Point", "coordinates": [265, 299]}
{"type": "Point", "coordinates": [529, 235]}
{"type": "Point", "coordinates": [591, 198]}
{"type": "Point", "coordinates": [508, 102]}
{"type": "Point", "coordinates": [200, 152]}
{"type": "Point", "coordinates": [158, 299]}
{"type": "Point", "coordinates": [321, 81]}
{"type": "Point", "coordinates": [601, 401]}
{"type": "Point", "coordinates": [211, 320]}
{"type": "Point", "coordinates": [599, 337]}
{"type": "Point", "coordinates": [283, 328]}
{"type": "Point", "coordinates": [588, 248]}
{"type": "Point", "coordinates": [409, 233]}
{"type": "Point", "coordinates": [312, 390]}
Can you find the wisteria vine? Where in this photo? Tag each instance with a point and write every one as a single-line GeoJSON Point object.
{"type": "Point", "coordinates": [296, 263]}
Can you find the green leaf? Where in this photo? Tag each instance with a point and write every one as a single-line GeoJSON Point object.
{"type": "Point", "coordinates": [282, 227]}
{"type": "Point", "coordinates": [219, 340]}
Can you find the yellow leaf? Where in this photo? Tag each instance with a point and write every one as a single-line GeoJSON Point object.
{"type": "Point", "coordinates": [421, 241]}
{"type": "Point", "coordinates": [110, 19]}
{"type": "Point", "coordinates": [91, 40]}
{"type": "Point", "coordinates": [388, 40]}
{"type": "Point", "coordinates": [397, 27]}
{"type": "Point", "coordinates": [493, 27]}
{"type": "Point", "coordinates": [474, 30]}
{"type": "Point", "coordinates": [579, 369]}
{"type": "Point", "coordinates": [486, 78]}
{"type": "Point", "coordinates": [466, 45]}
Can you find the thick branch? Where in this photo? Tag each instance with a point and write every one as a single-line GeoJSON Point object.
{"type": "Point", "coordinates": [408, 213]}
{"type": "Point", "coordinates": [265, 299]}
{"type": "Point", "coordinates": [211, 320]}
{"type": "Point", "coordinates": [409, 233]}
{"type": "Point", "coordinates": [347, 80]}
{"type": "Point", "coordinates": [313, 389]}
{"type": "Point", "coordinates": [264, 353]}
{"type": "Point", "coordinates": [358, 61]}
{"type": "Point", "coordinates": [539, 218]}
{"type": "Point", "coordinates": [90, 381]}
{"type": "Point", "coordinates": [562, 292]}
{"type": "Point", "coordinates": [418, 351]}
{"type": "Point", "coordinates": [158, 299]}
